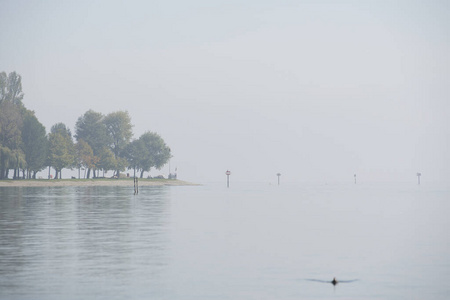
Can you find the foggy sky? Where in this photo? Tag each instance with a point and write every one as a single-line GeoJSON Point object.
{"type": "Point", "coordinates": [315, 90]}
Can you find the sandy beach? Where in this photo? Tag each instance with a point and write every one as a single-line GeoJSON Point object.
{"type": "Point", "coordinates": [92, 182]}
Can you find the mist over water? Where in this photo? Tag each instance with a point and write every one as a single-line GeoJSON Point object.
{"type": "Point", "coordinates": [249, 241]}
{"type": "Point", "coordinates": [315, 90]}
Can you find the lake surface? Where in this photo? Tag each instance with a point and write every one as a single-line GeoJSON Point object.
{"type": "Point", "coordinates": [251, 241]}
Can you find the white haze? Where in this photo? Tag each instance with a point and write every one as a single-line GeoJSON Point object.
{"type": "Point", "coordinates": [315, 90]}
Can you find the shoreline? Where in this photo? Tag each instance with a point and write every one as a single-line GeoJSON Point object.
{"type": "Point", "coordinates": [92, 182]}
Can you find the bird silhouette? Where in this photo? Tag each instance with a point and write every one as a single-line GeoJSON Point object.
{"type": "Point", "coordinates": [333, 282]}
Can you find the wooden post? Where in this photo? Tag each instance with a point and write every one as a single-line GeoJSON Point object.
{"type": "Point", "coordinates": [136, 184]}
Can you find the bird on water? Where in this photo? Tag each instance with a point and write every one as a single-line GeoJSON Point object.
{"type": "Point", "coordinates": [333, 282]}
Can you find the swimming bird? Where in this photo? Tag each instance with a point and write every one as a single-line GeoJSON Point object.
{"type": "Point", "coordinates": [333, 282]}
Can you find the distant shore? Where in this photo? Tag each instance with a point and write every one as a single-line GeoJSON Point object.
{"type": "Point", "coordinates": [92, 182]}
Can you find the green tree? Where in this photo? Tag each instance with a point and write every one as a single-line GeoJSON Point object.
{"type": "Point", "coordinates": [107, 160]}
{"type": "Point", "coordinates": [149, 151]}
{"type": "Point", "coordinates": [118, 125]}
{"type": "Point", "coordinates": [62, 151]}
{"type": "Point", "coordinates": [10, 134]}
{"type": "Point", "coordinates": [11, 108]}
{"type": "Point", "coordinates": [85, 156]}
{"type": "Point", "coordinates": [91, 128]}
{"type": "Point", "coordinates": [7, 161]}
{"type": "Point", "coordinates": [158, 152]}
{"type": "Point", "coordinates": [18, 163]}
{"type": "Point", "coordinates": [11, 88]}
{"type": "Point", "coordinates": [34, 144]}
{"type": "Point", "coordinates": [134, 153]}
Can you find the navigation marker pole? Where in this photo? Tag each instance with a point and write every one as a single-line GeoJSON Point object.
{"type": "Point", "coordinates": [135, 181]}
{"type": "Point", "coordinates": [228, 173]}
{"type": "Point", "coordinates": [278, 174]}
{"type": "Point", "coordinates": [418, 178]}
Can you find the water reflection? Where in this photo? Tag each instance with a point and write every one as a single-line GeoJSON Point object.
{"type": "Point", "coordinates": [88, 235]}
{"type": "Point", "coordinates": [210, 242]}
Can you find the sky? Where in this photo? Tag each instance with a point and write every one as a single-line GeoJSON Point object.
{"type": "Point", "coordinates": [315, 90]}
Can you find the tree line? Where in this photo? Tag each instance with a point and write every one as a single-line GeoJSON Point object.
{"type": "Point", "coordinates": [100, 143]}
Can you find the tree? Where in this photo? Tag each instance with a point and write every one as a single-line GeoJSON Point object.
{"type": "Point", "coordinates": [19, 162]}
{"type": "Point", "coordinates": [11, 88]}
{"type": "Point", "coordinates": [85, 156]}
{"type": "Point", "coordinates": [62, 129]}
{"type": "Point", "coordinates": [107, 160]}
{"type": "Point", "coordinates": [149, 151]}
{"type": "Point", "coordinates": [118, 125]}
{"type": "Point", "coordinates": [134, 153]}
{"type": "Point", "coordinates": [11, 109]}
{"type": "Point", "coordinates": [6, 161]}
{"type": "Point", "coordinates": [91, 128]}
{"type": "Point", "coordinates": [61, 152]}
{"type": "Point", "coordinates": [10, 133]}
{"type": "Point", "coordinates": [159, 152]}
{"type": "Point", "coordinates": [34, 144]}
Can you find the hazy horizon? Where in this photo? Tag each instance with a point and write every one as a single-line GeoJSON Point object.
{"type": "Point", "coordinates": [314, 90]}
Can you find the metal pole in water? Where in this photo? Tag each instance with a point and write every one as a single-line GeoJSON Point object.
{"type": "Point", "coordinates": [136, 186]}
{"type": "Point", "coordinates": [355, 178]}
{"type": "Point", "coordinates": [135, 182]}
{"type": "Point", "coordinates": [278, 174]}
{"type": "Point", "coordinates": [228, 173]}
{"type": "Point", "coordinates": [418, 177]}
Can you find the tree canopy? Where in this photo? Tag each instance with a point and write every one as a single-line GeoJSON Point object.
{"type": "Point", "coordinates": [149, 151]}
{"type": "Point", "coordinates": [118, 125]}
{"type": "Point", "coordinates": [34, 144]}
{"type": "Point", "coordinates": [62, 151]}
{"type": "Point", "coordinates": [11, 123]}
{"type": "Point", "coordinates": [102, 142]}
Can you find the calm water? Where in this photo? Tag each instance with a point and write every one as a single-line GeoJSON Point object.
{"type": "Point", "coordinates": [251, 241]}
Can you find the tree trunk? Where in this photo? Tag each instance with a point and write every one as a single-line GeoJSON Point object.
{"type": "Point", "coordinates": [142, 174]}
{"type": "Point", "coordinates": [88, 173]}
